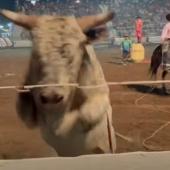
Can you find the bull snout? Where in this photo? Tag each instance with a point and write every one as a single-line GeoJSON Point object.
{"type": "Point", "coordinates": [51, 99]}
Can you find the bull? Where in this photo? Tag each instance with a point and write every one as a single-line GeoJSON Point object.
{"type": "Point", "coordinates": [74, 121]}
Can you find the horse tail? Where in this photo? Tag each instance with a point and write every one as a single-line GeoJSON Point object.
{"type": "Point", "coordinates": [156, 60]}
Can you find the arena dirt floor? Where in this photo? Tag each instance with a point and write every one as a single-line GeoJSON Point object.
{"type": "Point", "coordinates": [137, 110]}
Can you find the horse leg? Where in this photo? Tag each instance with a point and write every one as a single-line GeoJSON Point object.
{"type": "Point", "coordinates": [164, 73]}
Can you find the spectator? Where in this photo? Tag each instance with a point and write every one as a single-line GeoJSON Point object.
{"type": "Point", "coordinates": [165, 40]}
{"type": "Point", "coordinates": [126, 46]}
{"type": "Point", "coordinates": [139, 29]}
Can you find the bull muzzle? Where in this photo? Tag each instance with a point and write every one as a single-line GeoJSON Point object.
{"type": "Point", "coordinates": [51, 99]}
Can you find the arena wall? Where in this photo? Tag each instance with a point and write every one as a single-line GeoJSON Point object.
{"type": "Point", "coordinates": [22, 43]}
{"type": "Point", "coordinates": [127, 161]}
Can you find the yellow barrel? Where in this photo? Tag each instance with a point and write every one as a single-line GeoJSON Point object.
{"type": "Point", "coordinates": [137, 53]}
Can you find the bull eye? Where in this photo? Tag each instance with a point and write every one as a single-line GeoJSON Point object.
{"type": "Point", "coordinates": [54, 99]}
{"type": "Point", "coordinates": [92, 34]}
{"type": "Point", "coordinates": [44, 99]}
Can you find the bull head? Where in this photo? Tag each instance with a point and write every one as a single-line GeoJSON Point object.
{"type": "Point", "coordinates": [58, 51]}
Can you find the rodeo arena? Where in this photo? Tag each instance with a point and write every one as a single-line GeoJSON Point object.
{"type": "Point", "coordinates": [85, 83]}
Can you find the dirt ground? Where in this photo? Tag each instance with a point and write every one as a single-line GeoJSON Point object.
{"type": "Point", "coordinates": [137, 111]}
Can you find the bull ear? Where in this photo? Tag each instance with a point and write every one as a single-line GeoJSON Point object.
{"type": "Point", "coordinates": [88, 22]}
{"type": "Point", "coordinates": [25, 21]}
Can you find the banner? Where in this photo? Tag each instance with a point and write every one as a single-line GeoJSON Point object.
{"type": "Point", "coordinates": [5, 43]}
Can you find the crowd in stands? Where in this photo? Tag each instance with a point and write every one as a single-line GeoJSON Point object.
{"type": "Point", "coordinates": [153, 12]}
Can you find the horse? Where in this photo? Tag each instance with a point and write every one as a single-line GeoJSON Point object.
{"type": "Point", "coordinates": [156, 60]}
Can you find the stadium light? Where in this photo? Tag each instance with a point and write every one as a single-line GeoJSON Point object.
{"type": "Point", "coordinates": [33, 2]}
{"type": "Point", "coordinates": [77, 1]}
{"type": "Point", "coordinates": [9, 24]}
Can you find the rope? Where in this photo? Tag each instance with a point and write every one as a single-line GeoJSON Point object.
{"type": "Point", "coordinates": [149, 147]}
{"type": "Point", "coordinates": [153, 135]}
{"type": "Point", "coordinates": [140, 98]}
{"type": "Point", "coordinates": [109, 133]}
{"type": "Point", "coordinates": [28, 87]}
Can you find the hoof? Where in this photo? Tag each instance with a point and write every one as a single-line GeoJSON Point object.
{"type": "Point", "coordinates": [165, 91]}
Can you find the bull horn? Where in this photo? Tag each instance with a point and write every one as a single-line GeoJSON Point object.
{"type": "Point", "coordinates": [88, 22]}
{"type": "Point", "coordinates": [23, 20]}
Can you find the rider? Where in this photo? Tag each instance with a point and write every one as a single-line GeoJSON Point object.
{"type": "Point", "coordinates": [165, 41]}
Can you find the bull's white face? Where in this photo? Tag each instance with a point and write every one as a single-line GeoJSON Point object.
{"type": "Point", "coordinates": [58, 50]}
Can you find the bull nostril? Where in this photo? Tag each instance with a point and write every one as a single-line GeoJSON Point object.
{"type": "Point", "coordinates": [57, 99]}
{"type": "Point", "coordinates": [43, 99]}
{"type": "Point", "coordinates": [51, 99]}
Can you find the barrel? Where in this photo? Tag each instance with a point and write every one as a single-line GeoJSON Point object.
{"type": "Point", "coordinates": [138, 53]}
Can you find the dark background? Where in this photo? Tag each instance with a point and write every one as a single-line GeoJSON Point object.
{"type": "Point", "coordinates": [7, 4]}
